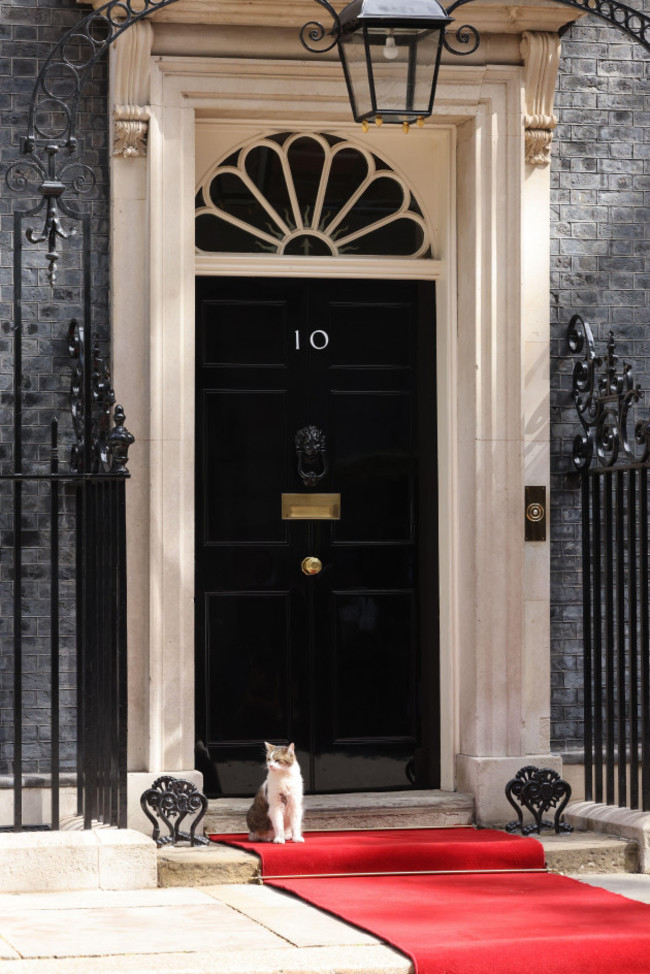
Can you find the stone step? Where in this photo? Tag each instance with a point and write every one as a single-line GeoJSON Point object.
{"type": "Point", "coordinates": [589, 853]}
{"type": "Point", "coordinates": [211, 865]}
{"type": "Point", "coordinates": [577, 854]}
{"type": "Point", "coordinates": [366, 810]}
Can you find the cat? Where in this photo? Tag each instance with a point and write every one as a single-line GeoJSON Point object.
{"type": "Point", "coordinates": [276, 812]}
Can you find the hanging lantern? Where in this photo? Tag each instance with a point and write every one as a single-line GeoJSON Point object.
{"type": "Point", "coordinates": [390, 51]}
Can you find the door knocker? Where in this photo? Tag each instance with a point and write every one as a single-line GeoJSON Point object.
{"type": "Point", "coordinates": [311, 452]}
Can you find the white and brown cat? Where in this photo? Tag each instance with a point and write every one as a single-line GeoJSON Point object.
{"type": "Point", "coordinates": [276, 812]}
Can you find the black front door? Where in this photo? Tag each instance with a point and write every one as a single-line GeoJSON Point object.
{"type": "Point", "coordinates": [312, 442]}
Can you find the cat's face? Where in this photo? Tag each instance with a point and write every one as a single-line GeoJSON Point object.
{"type": "Point", "coordinates": [279, 758]}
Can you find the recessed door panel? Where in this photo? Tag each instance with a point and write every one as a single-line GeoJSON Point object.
{"type": "Point", "coordinates": [249, 634]}
{"type": "Point", "coordinates": [241, 474]}
{"type": "Point", "coordinates": [379, 478]}
{"type": "Point", "coordinates": [378, 339]}
{"type": "Point", "coordinates": [310, 628]}
{"type": "Point", "coordinates": [373, 649]}
{"type": "Point", "coordinates": [246, 333]}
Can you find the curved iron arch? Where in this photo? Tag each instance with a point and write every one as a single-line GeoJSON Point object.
{"type": "Point", "coordinates": [54, 103]}
{"type": "Point", "coordinates": [632, 22]}
{"type": "Point", "coordinates": [61, 80]}
{"type": "Point", "coordinates": [67, 68]}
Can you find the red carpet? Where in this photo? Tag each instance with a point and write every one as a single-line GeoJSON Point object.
{"type": "Point", "coordinates": [516, 922]}
{"type": "Point", "coordinates": [519, 923]}
{"type": "Point", "coordinates": [393, 850]}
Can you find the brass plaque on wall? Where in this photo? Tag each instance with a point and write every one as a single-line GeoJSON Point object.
{"type": "Point", "coordinates": [322, 507]}
{"type": "Point", "coordinates": [535, 502]}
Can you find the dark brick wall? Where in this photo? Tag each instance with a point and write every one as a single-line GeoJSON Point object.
{"type": "Point", "coordinates": [600, 268]}
{"type": "Point", "coordinates": [29, 30]}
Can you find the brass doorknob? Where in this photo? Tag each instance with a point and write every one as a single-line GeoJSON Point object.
{"type": "Point", "coordinates": [311, 565]}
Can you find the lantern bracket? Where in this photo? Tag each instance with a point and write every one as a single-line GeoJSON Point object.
{"type": "Point", "coordinates": [466, 35]}
{"type": "Point", "coordinates": [632, 22]}
{"type": "Point", "coordinates": [313, 32]}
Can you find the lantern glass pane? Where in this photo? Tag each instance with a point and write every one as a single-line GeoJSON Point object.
{"type": "Point", "coordinates": [392, 71]}
{"type": "Point", "coordinates": [428, 46]}
{"type": "Point", "coordinates": [353, 56]}
{"type": "Point", "coordinates": [403, 69]}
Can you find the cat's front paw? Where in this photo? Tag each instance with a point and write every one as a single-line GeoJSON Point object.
{"type": "Point", "coordinates": [279, 839]}
{"type": "Point", "coordinates": [298, 838]}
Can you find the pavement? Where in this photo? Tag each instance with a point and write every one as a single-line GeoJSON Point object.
{"type": "Point", "coordinates": [223, 929]}
{"type": "Point", "coordinates": [230, 929]}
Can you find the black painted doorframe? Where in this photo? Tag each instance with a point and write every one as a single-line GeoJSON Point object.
{"type": "Point", "coordinates": [426, 764]}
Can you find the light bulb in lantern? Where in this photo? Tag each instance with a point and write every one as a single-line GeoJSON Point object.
{"type": "Point", "coordinates": [390, 47]}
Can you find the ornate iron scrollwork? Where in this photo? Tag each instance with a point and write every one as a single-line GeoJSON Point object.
{"type": "Point", "coordinates": [35, 175]}
{"type": "Point", "coordinates": [62, 78]}
{"type": "Point", "coordinates": [99, 445]}
{"type": "Point", "coordinates": [56, 97]}
{"type": "Point", "coordinates": [632, 22]}
{"type": "Point", "coordinates": [603, 403]}
{"type": "Point", "coordinates": [313, 32]}
{"type": "Point", "coordinates": [466, 35]}
{"type": "Point", "coordinates": [311, 452]}
{"type": "Point", "coordinates": [538, 790]}
{"type": "Point", "coordinates": [172, 800]}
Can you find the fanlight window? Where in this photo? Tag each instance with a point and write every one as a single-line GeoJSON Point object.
{"type": "Point", "coordinates": [313, 195]}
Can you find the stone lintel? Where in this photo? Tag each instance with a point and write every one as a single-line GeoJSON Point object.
{"type": "Point", "coordinates": [486, 17]}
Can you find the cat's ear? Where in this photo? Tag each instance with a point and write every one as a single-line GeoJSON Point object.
{"type": "Point", "coordinates": [292, 748]}
{"type": "Point", "coordinates": [269, 747]}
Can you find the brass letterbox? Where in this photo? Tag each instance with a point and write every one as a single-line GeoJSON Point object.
{"type": "Point", "coordinates": [321, 507]}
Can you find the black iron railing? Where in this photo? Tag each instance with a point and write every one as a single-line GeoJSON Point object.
{"type": "Point", "coordinates": [616, 622]}
{"type": "Point", "coordinates": [101, 642]}
{"type": "Point", "coordinates": [81, 539]}
{"type": "Point", "coordinates": [63, 556]}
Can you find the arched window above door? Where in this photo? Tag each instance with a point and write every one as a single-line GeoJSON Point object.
{"type": "Point", "coordinates": [314, 195]}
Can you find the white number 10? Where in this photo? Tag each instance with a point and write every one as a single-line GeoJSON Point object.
{"type": "Point", "coordinates": [318, 340]}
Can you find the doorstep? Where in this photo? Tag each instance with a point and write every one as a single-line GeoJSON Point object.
{"type": "Point", "coordinates": [365, 810]}
{"type": "Point", "coordinates": [578, 855]}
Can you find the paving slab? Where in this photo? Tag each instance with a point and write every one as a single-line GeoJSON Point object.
{"type": "Point", "coordinates": [633, 886]}
{"type": "Point", "coordinates": [140, 930]}
{"type": "Point", "coordinates": [291, 918]}
{"type": "Point", "coordinates": [217, 930]}
{"type": "Point", "coordinates": [98, 899]}
{"type": "Point", "coordinates": [288, 960]}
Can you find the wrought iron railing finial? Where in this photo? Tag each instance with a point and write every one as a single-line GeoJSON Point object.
{"type": "Point", "coordinates": [603, 401]}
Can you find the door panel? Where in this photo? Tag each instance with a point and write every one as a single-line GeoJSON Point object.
{"type": "Point", "coordinates": [379, 480]}
{"type": "Point", "coordinates": [240, 626]}
{"type": "Point", "coordinates": [333, 661]}
{"type": "Point", "coordinates": [371, 626]}
{"type": "Point", "coordinates": [243, 507]}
